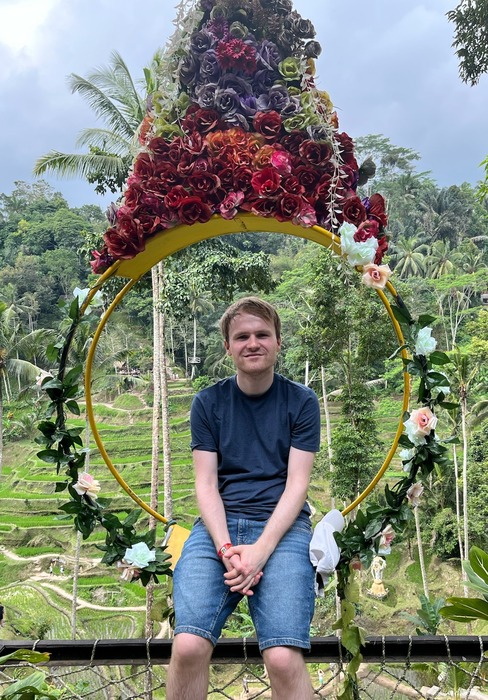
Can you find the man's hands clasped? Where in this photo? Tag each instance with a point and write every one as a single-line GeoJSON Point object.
{"type": "Point", "coordinates": [244, 564]}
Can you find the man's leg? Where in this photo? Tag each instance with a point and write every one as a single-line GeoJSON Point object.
{"type": "Point", "coordinates": [189, 668]}
{"type": "Point", "coordinates": [288, 674]}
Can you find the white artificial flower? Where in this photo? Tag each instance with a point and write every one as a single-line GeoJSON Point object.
{"type": "Point", "coordinates": [425, 344]}
{"type": "Point", "coordinates": [357, 253]}
{"type": "Point", "coordinates": [406, 456]}
{"type": "Point", "coordinates": [86, 484]}
{"type": "Point", "coordinates": [414, 493]}
{"type": "Point", "coordinates": [386, 539]}
{"type": "Point", "coordinates": [139, 555]}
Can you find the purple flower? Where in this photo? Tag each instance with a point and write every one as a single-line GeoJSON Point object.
{"type": "Point", "coordinates": [207, 5]}
{"type": "Point", "coordinates": [209, 66]}
{"type": "Point", "coordinates": [237, 119]}
{"type": "Point", "coordinates": [318, 133]}
{"type": "Point", "coordinates": [249, 105]}
{"type": "Point", "coordinates": [227, 101]}
{"type": "Point", "coordinates": [201, 41]}
{"type": "Point", "coordinates": [278, 97]}
{"type": "Point", "coordinates": [205, 95]}
{"type": "Point", "coordinates": [111, 214]}
{"type": "Point", "coordinates": [269, 54]}
{"type": "Point", "coordinates": [264, 80]}
{"type": "Point", "coordinates": [188, 70]}
{"type": "Point", "coordinates": [219, 28]}
{"type": "Point", "coordinates": [293, 107]}
{"type": "Point", "coordinates": [234, 82]}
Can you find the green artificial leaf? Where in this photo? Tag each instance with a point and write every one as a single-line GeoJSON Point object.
{"type": "Point", "coordinates": [479, 563]}
{"type": "Point", "coordinates": [398, 351]}
{"type": "Point", "coordinates": [402, 315]}
{"type": "Point", "coordinates": [49, 456]}
{"type": "Point", "coordinates": [465, 609]}
{"type": "Point", "coordinates": [449, 406]}
{"type": "Point", "coordinates": [73, 407]}
{"type": "Point", "coordinates": [425, 320]}
{"type": "Point", "coordinates": [73, 375]}
{"type": "Point", "coordinates": [33, 657]}
{"type": "Point", "coordinates": [439, 358]}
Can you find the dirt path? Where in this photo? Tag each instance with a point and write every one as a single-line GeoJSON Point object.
{"type": "Point", "coordinates": [37, 557]}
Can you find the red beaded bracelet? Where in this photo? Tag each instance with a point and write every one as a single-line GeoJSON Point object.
{"type": "Point", "coordinates": [223, 549]}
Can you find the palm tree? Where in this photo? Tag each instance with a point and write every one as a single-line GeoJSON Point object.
{"type": "Point", "coordinates": [112, 94]}
{"type": "Point", "coordinates": [200, 302]}
{"type": "Point", "coordinates": [440, 260]}
{"type": "Point", "coordinates": [408, 256]}
{"type": "Point", "coordinates": [14, 349]}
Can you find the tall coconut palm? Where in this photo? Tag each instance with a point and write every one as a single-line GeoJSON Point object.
{"type": "Point", "coordinates": [441, 260]}
{"type": "Point", "coordinates": [408, 257]}
{"type": "Point", "coordinates": [114, 97]}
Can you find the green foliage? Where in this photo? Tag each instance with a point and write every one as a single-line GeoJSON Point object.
{"type": "Point", "coordinates": [445, 534]}
{"type": "Point", "coordinates": [201, 382]}
{"type": "Point", "coordinates": [428, 618]}
{"type": "Point", "coordinates": [470, 609]}
{"type": "Point", "coordinates": [471, 39]}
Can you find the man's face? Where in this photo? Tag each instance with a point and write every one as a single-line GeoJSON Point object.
{"type": "Point", "coordinates": [252, 344]}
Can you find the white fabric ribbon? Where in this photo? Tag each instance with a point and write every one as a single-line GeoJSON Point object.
{"type": "Point", "coordinates": [324, 552]}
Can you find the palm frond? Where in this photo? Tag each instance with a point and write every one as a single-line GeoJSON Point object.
{"type": "Point", "coordinates": [106, 140]}
{"type": "Point", "coordinates": [80, 164]}
{"type": "Point", "coordinates": [102, 105]}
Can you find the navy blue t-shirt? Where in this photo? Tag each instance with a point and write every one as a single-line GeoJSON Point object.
{"type": "Point", "coordinates": [252, 436]}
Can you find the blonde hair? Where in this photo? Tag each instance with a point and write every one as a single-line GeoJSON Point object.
{"type": "Point", "coordinates": [250, 305]}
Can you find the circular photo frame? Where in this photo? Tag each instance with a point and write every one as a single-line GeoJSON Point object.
{"type": "Point", "coordinates": [171, 241]}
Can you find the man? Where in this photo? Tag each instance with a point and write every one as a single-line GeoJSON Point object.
{"type": "Point", "coordinates": [254, 438]}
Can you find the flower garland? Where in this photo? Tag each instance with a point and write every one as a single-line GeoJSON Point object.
{"type": "Point", "coordinates": [237, 124]}
{"type": "Point", "coordinates": [373, 529]}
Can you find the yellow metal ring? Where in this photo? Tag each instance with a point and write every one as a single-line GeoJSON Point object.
{"type": "Point", "coordinates": [168, 242]}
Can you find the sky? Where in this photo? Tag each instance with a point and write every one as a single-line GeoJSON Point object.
{"type": "Point", "coordinates": [388, 66]}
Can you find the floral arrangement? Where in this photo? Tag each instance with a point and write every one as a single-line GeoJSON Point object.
{"type": "Point", "coordinates": [238, 125]}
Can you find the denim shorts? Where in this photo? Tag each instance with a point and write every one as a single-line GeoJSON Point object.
{"type": "Point", "coordinates": [283, 602]}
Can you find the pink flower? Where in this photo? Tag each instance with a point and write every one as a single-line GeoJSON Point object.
{"type": "Point", "coordinates": [129, 572]}
{"type": "Point", "coordinates": [306, 216]}
{"type": "Point", "coordinates": [376, 276]}
{"type": "Point", "coordinates": [421, 422]}
{"type": "Point", "coordinates": [386, 538]}
{"type": "Point", "coordinates": [414, 493]}
{"type": "Point", "coordinates": [87, 485]}
{"type": "Point", "coordinates": [229, 206]}
{"type": "Point", "coordinates": [281, 160]}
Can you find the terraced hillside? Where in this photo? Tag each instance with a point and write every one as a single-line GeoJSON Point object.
{"type": "Point", "coordinates": [35, 539]}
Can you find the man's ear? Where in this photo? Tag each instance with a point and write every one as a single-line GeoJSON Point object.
{"type": "Point", "coordinates": [227, 347]}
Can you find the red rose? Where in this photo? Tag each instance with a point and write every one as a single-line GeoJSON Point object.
{"type": "Point", "coordinates": [169, 177]}
{"type": "Point", "coordinates": [194, 143]}
{"type": "Point", "coordinates": [158, 146]}
{"type": "Point", "coordinates": [349, 177]}
{"type": "Point", "coordinates": [366, 230]}
{"type": "Point", "coordinates": [315, 152]}
{"type": "Point", "coordinates": [156, 187]}
{"type": "Point", "coordinates": [192, 210]}
{"type": "Point", "coordinates": [175, 150]}
{"type": "Point", "coordinates": [203, 182]}
{"type": "Point", "coordinates": [293, 140]}
{"type": "Point", "coordinates": [260, 206]}
{"type": "Point", "coordinates": [174, 199]}
{"type": "Point", "coordinates": [266, 182]}
{"type": "Point", "coordinates": [381, 250]}
{"type": "Point", "coordinates": [125, 242]}
{"type": "Point", "coordinates": [205, 120]}
{"type": "Point", "coordinates": [144, 166]}
{"type": "Point", "coordinates": [134, 195]}
{"type": "Point", "coordinates": [148, 220]}
{"type": "Point", "coordinates": [346, 147]}
{"type": "Point", "coordinates": [292, 185]}
{"type": "Point", "coordinates": [226, 175]}
{"type": "Point", "coordinates": [288, 206]}
{"type": "Point", "coordinates": [307, 176]}
{"type": "Point", "coordinates": [268, 124]}
{"type": "Point", "coordinates": [229, 206]}
{"type": "Point", "coordinates": [377, 209]}
{"type": "Point", "coordinates": [353, 210]}
{"type": "Point", "coordinates": [242, 179]}
{"type": "Point", "coordinates": [322, 191]}
{"type": "Point", "coordinates": [102, 261]}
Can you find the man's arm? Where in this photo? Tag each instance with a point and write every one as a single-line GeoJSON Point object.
{"type": "Point", "coordinates": [212, 510]}
{"type": "Point", "coordinates": [254, 557]}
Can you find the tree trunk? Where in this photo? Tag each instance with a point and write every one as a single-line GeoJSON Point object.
{"type": "Point", "coordinates": [464, 412]}
{"type": "Point", "coordinates": [458, 503]}
{"type": "Point", "coordinates": [421, 552]}
{"type": "Point", "coordinates": [168, 472]}
{"type": "Point", "coordinates": [193, 366]}
{"type": "Point", "coordinates": [307, 370]}
{"type": "Point", "coordinates": [328, 433]}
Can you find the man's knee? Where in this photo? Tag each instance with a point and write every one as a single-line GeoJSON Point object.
{"type": "Point", "coordinates": [283, 661]}
{"type": "Point", "coordinates": [189, 649]}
